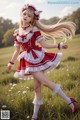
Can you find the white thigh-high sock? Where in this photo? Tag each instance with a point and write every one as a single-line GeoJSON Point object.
{"type": "Point", "coordinates": [59, 91]}
{"type": "Point", "coordinates": [37, 104]}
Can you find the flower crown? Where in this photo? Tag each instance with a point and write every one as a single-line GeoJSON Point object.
{"type": "Point", "coordinates": [36, 12]}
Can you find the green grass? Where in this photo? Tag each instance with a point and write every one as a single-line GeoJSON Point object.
{"type": "Point", "coordinates": [17, 95]}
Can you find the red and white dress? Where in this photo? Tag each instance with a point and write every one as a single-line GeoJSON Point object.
{"type": "Point", "coordinates": [33, 58]}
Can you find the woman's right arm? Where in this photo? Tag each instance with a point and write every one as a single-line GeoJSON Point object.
{"type": "Point", "coordinates": [14, 56]}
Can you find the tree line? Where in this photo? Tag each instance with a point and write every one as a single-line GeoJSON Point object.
{"type": "Point", "coordinates": [7, 27]}
{"type": "Point", "coordinates": [6, 32]}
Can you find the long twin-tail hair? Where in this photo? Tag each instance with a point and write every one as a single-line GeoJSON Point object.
{"type": "Point", "coordinates": [63, 30]}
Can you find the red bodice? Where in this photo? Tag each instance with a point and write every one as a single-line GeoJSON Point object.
{"type": "Point", "coordinates": [28, 42]}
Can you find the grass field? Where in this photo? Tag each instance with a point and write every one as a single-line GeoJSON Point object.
{"type": "Point", "coordinates": [17, 95]}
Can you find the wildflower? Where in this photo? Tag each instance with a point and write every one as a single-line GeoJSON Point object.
{"type": "Point", "coordinates": [27, 87]}
{"type": "Point", "coordinates": [18, 91]}
{"type": "Point", "coordinates": [67, 70]}
{"type": "Point", "coordinates": [11, 87]}
{"type": "Point", "coordinates": [10, 84]}
{"type": "Point", "coordinates": [24, 92]}
{"type": "Point", "coordinates": [4, 106]}
{"type": "Point", "coordinates": [14, 85]}
{"type": "Point", "coordinates": [28, 116]}
{"type": "Point", "coordinates": [9, 90]}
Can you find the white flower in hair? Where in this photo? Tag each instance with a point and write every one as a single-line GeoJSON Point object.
{"type": "Point", "coordinates": [37, 12]}
{"type": "Point", "coordinates": [27, 5]}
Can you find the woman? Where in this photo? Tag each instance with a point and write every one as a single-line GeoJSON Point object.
{"type": "Point", "coordinates": [34, 60]}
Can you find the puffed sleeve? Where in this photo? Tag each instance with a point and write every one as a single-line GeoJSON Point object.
{"type": "Point", "coordinates": [38, 35]}
{"type": "Point", "coordinates": [16, 43]}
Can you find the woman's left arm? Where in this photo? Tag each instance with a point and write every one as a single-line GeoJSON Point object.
{"type": "Point", "coordinates": [45, 45]}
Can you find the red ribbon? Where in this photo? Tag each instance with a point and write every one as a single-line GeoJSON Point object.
{"type": "Point", "coordinates": [35, 48]}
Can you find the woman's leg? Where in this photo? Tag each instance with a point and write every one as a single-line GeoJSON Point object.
{"type": "Point", "coordinates": [54, 87]}
{"type": "Point", "coordinates": [38, 98]}
{"type": "Point", "coordinates": [37, 89]}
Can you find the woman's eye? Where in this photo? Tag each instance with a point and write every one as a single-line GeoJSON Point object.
{"type": "Point", "coordinates": [24, 14]}
{"type": "Point", "coordinates": [29, 16]}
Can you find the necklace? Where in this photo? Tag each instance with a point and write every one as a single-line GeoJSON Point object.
{"type": "Point", "coordinates": [24, 28]}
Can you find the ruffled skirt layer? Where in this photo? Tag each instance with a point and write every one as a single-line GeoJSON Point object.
{"type": "Point", "coordinates": [48, 62]}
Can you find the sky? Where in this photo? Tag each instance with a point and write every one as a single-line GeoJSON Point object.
{"type": "Point", "coordinates": [11, 8]}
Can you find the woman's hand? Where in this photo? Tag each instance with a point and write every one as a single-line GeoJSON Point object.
{"type": "Point", "coordinates": [9, 66]}
{"type": "Point", "coordinates": [11, 63]}
{"type": "Point", "coordinates": [8, 69]}
{"type": "Point", "coordinates": [64, 46]}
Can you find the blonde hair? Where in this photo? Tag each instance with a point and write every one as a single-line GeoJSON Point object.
{"type": "Point", "coordinates": [64, 30]}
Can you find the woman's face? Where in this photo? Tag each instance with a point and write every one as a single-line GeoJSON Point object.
{"type": "Point", "coordinates": [26, 16]}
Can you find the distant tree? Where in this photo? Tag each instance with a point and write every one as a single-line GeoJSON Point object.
{"type": "Point", "coordinates": [1, 35]}
{"type": "Point", "coordinates": [75, 17]}
{"type": "Point", "coordinates": [8, 38]}
{"type": "Point", "coordinates": [7, 24]}
{"type": "Point", "coordinates": [16, 25]}
{"type": "Point", "coordinates": [53, 20]}
{"type": "Point", "coordinates": [50, 21]}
